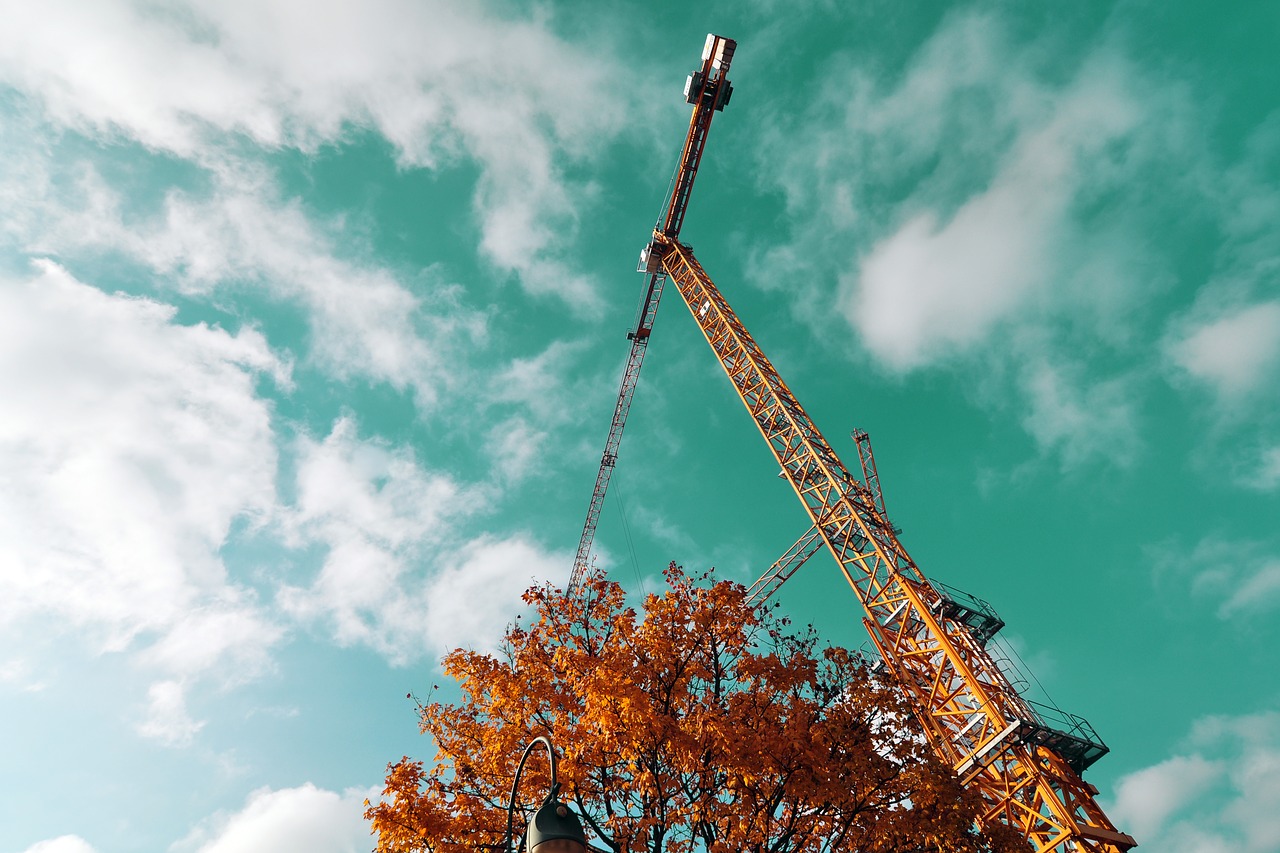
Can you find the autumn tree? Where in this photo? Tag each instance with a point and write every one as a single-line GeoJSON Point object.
{"type": "Point", "coordinates": [701, 724]}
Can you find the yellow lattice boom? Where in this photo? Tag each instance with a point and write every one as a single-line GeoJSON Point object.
{"type": "Point", "coordinates": [976, 721]}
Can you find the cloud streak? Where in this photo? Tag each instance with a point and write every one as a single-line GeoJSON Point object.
{"type": "Point", "coordinates": [1241, 577]}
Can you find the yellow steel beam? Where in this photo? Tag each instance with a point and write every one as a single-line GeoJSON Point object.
{"type": "Point", "coordinates": [972, 715]}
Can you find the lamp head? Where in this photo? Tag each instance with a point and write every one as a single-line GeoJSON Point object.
{"type": "Point", "coordinates": [555, 829]}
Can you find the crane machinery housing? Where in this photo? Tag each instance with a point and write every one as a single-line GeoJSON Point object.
{"type": "Point", "coordinates": [1024, 759]}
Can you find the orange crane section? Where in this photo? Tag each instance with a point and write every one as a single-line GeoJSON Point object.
{"type": "Point", "coordinates": [931, 640]}
{"type": "Point", "coordinates": [709, 90]}
{"type": "Point", "coordinates": [1026, 769]}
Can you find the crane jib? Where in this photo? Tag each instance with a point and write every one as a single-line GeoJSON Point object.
{"type": "Point", "coordinates": [708, 90]}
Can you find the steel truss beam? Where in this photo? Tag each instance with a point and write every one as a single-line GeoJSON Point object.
{"type": "Point", "coordinates": [973, 717]}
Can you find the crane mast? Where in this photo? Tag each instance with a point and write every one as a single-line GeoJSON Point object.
{"type": "Point", "coordinates": [709, 90]}
{"type": "Point", "coordinates": [1027, 771]}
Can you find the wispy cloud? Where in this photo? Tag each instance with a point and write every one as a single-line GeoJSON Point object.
{"type": "Point", "coordinates": [240, 236]}
{"type": "Point", "coordinates": [534, 402]}
{"type": "Point", "coordinates": [1078, 418]}
{"type": "Point", "coordinates": [167, 718]}
{"type": "Point", "coordinates": [442, 83]}
{"type": "Point", "coordinates": [399, 574]}
{"type": "Point", "coordinates": [1266, 471]}
{"type": "Point", "coordinates": [943, 281]}
{"type": "Point", "coordinates": [1241, 577]}
{"type": "Point", "coordinates": [1220, 792]}
{"type": "Point", "coordinates": [956, 216]}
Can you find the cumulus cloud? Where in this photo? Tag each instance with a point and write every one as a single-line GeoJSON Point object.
{"type": "Point", "coordinates": [397, 575]}
{"type": "Point", "coordinates": [305, 819]}
{"type": "Point", "coordinates": [1220, 792]}
{"type": "Point", "coordinates": [128, 447]}
{"type": "Point", "coordinates": [1233, 353]}
{"type": "Point", "coordinates": [440, 81]}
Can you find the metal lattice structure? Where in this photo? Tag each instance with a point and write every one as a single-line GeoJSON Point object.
{"type": "Point", "coordinates": [976, 721]}
{"type": "Point", "coordinates": [1023, 759]}
{"type": "Point", "coordinates": [709, 90]}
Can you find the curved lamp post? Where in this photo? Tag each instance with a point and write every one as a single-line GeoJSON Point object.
{"type": "Point", "coordinates": [554, 827]}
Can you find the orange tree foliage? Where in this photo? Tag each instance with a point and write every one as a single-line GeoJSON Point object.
{"type": "Point", "coordinates": [703, 725]}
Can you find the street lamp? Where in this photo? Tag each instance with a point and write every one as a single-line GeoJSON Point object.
{"type": "Point", "coordinates": [554, 827]}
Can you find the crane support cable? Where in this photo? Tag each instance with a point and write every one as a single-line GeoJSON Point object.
{"type": "Point", "coordinates": [709, 90]}
{"type": "Point", "coordinates": [974, 718]}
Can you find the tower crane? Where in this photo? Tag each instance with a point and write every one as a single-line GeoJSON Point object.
{"type": "Point", "coordinates": [1025, 762]}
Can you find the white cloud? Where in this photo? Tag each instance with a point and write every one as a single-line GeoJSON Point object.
{"type": "Point", "coordinates": [1080, 419]}
{"type": "Point", "coordinates": [930, 289]}
{"type": "Point", "coordinates": [538, 399]}
{"type": "Point", "coordinates": [1242, 577]}
{"type": "Point", "coordinates": [363, 320]}
{"type": "Point", "coordinates": [168, 719]}
{"type": "Point", "coordinates": [940, 284]}
{"type": "Point", "coordinates": [129, 444]}
{"type": "Point", "coordinates": [1267, 475]}
{"type": "Point", "coordinates": [62, 844]}
{"type": "Point", "coordinates": [397, 575]}
{"type": "Point", "coordinates": [1258, 590]}
{"type": "Point", "coordinates": [515, 448]}
{"type": "Point", "coordinates": [305, 819]}
{"type": "Point", "coordinates": [955, 214]}
{"type": "Point", "coordinates": [21, 675]}
{"type": "Point", "coordinates": [1220, 793]}
{"type": "Point", "coordinates": [477, 593]}
{"type": "Point", "coordinates": [1235, 352]}
{"type": "Point", "coordinates": [243, 235]}
{"type": "Point", "coordinates": [442, 82]}
{"type": "Point", "coordinates": [1146, 798]}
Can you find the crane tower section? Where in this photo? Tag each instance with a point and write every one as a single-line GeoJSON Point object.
{"type": "Point", "coordinates": [1027, 771]}
{"type": "Point", "coordinates": [708, 89]}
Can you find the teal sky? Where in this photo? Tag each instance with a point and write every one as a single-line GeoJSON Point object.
{"type": "Point", "coordinates": [312, 317]}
